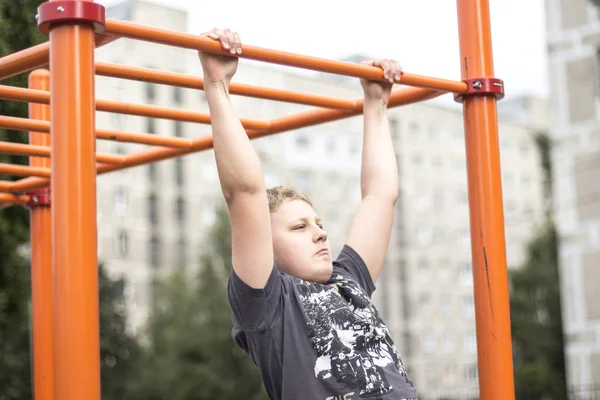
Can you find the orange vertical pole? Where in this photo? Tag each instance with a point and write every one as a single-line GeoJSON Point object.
{"type": "Point", "coordinates": [490, 276]}
{"type": "Point", "coordinates": [73, 163]}
{"type": "Point", "coordinates": [41, 256]}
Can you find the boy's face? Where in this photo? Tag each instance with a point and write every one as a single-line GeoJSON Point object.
{"type": "Point", "coordinates": [300, 245]}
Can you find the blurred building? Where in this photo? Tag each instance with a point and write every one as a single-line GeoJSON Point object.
{"type": "Point", "coordinates": [156, 218]}
{"type": "Point", "coordinates": [573, 34]}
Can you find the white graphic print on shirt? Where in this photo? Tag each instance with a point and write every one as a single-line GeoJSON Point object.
{"type": "Point", "coordinates": [353, 344]}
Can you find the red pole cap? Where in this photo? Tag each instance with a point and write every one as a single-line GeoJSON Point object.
{"type": "Point", "coordinates": [71, 11]}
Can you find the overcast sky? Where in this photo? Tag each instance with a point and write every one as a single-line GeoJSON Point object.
{"type": "Point", "coordinates": [421, 34]}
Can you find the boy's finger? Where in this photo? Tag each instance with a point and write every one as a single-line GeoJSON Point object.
{"type": "Point", "coordinates": [230, 40]}
{"type": "Point", "coordinates": [238, 42]}
{"type": "Point", "coordinates": [387, 70]}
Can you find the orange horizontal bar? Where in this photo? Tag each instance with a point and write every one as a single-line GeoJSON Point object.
{"type": "Point", "coordinates": [23, 170]}
{"type": "Point", "coordinates": [8, 199]}
{"type": "Point", "coordinates": [25, 124]}
{"type": "Point", "coordinates": [169, 113]}
{"type": "Point", "coordinates": [308, 118]}
{"type": "Point", "coordinates": [319, 116]}
{"type": "Point", "coordinates": [5, 185]}
{"type": "Point", "coordinates": [43, 97]}
{"type": "Point", "coordinates": [25, 184]}
{"type": "Point", "coordinates": [44, 151]}
{"type": "Point", "coordinates": [195, 42]}
{"type": "Point", "coordinates": [36, 57]}
{"type": "Point", "coordinates": [193, 82]}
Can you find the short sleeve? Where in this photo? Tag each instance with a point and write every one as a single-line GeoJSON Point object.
{"type": "Point", "coordinates": [353, 264]}
{"type": "Point", "coordinates": [254, 309]}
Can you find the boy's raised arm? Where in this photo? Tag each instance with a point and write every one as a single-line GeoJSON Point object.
{"type": "Point", "coordinates": [238, 167]}
{"type": "Point", "coordinates": [371, 227]}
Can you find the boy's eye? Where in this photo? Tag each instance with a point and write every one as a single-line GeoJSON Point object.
{"type": "Point", "coordinates": [299, 226]}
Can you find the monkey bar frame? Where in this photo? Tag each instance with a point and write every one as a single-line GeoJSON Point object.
{"type": "Point", "coordinates": [63, 236]}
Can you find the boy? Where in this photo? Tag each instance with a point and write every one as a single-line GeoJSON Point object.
{"type": "Point", "coordinates": [307, 321]}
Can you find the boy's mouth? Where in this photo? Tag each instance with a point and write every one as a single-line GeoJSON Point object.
{"type": "Point", "coordinates": [322, 251]}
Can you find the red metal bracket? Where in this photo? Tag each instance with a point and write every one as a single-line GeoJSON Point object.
{"type": "Point", "coordinates": [482, 86]}
{"type": "Point", "coordinates": [71, 11]}
{"type": "Point", "coordinates": [39, 197]}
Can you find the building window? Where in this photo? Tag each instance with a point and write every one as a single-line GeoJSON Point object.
{"type": "Point", "coordinates": [424, 236]}
{"type": "Point", "coordinates": [150, 125]}
{"type": "Point", "coordinates": [355, 146]}
{"type": "Point", "coordinates": [121, 201]}
{"type": "Point", "coordinates": [425, 302]}
{"type": "Point", "coordinates": [271, 178]}
{"type": "Point", "coordinates": [471, 342]}
{"type": "Point", "coordinates": [508, 180]}
{"type": "Point", "coordinates": [395, 129]}
{"type": "Point", "coordinates": [434, 132]}
{"type": "Point", "coordinates": [417, 159]}
{"type": "Point", "coordinates": [407, 343]}
{"type": "Point", "coordinates": [471, 373]}
{"type": "Point", "coordinates": [427, 341]}
{"type": "Point", "coordinates": [179, 174]}
{"type": "Point", "coordinates": [150, 92]}
{"type": "Point", "coordinates": [118, 121]}
{"type": "Point", "coordinates": [180, 210]}
{"type": "Point", "coordinates": [122, 244]}
{"type": "Point", "coordinates": [597, 68]}
{"type": "Point", "coordinates": [466, 273]}
{"type": "Point", "coordinates": [302, 140]}
{"type": "Point", "coordinates": [445, 304]}
{"type": "Point", "coordinates": [330, 145]}
{"type": "Point", "coordinates": [302, 181]}
{"type": "Point", "coordinates": [448, 342]}
{"type": "Point", "coordinates": [152, 173]}
{"type": "Point", "coordinates": [154, 251]}
{"type": "Point", "coordinates": [177, 95]}
{"type": "Point", "coordinates": [178, 128]}
{"type": "Point", "coordinates": [413, 130]}
{"type": "Point", "coordinates": [423, 266]}
{"type": "Point", "coordinates": [153, 209]}
{"type": "Point", "coordinates": [463, 238]}
{"type": "Point", "coordinates": [182, 252]}
{"type": "Point", "coordinates": [406, 308]}
{"type": "Point", "coordinates": [529, 213]}
{"type": "Point", "coordinates": [462, 198]}
{"type": "Point", "coordinates": [468, 306]}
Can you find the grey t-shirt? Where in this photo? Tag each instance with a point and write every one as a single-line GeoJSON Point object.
{"type": "Point", "coordinates": [319, 341]}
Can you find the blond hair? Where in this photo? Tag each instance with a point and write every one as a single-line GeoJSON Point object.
{"type": "Point", "coordinates": [279, 194]}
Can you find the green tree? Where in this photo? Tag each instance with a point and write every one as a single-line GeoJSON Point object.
{"type": "Point", "coordinates": [191, 352]}
{"type": "Point", "coordinates": [119, 349]}
{"type": "Point", "coordinates": [536, 318]}
{"type": "Point", "coordinates": [17, 32]}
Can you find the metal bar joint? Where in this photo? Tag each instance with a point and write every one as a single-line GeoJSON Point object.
{"type": "Point", "coordinates": [39, 197]}
{"type": "Point", "coordinates": [482, 87]}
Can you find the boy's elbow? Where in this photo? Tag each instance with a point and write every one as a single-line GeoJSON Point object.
{"type": "Point", "coordinates": [385, 192]}
{"type": "Point", "coordinates": [232, 193]}
{"type": "Point", "coordinates": [390, 198]}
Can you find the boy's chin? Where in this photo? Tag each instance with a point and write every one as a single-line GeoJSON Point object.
{"type": "Point", "coordinates": [322, 272]}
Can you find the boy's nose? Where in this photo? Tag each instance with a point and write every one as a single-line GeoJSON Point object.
{"type": "Point", "coordinates": [321, 236]}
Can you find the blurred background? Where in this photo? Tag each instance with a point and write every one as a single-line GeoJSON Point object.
{"type": "Point", "coordinates": [163, 234]}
